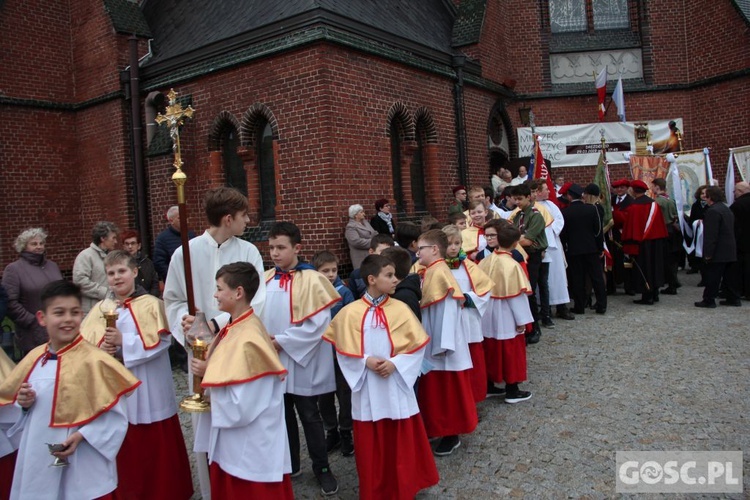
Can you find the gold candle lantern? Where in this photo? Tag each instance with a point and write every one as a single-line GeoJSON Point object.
{"type": "Point", "coordinates": [198, 338]}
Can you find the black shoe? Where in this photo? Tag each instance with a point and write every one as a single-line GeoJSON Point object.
{"type": "Point", "coordinates": [734, 303]}
{"type": "Point", "coordinates": [493, 391]}
{"type": "Point", "coordinates": [601, 310]}
{"type": "Point", "coordinates": [547, 322]}
{"type": "Point", "coordinates": [333, 440]}
{"type": "Point", "coordinates": [447, 445]}
{"type": "Point", "coordinates": [516, 397]}
{"type": "Point", "coordinates": [566, 315]}
{"type": "Point", "coordinates": [328, 484]}
{"type": "Point", "coordinates": [578, 311]}
{"type": "Point", "coordinates": [644, 302]}
{"type": "Point", "coordinates": [533, 337]}
{"type": "Point", "coordinates": [700, 283]}
{"type": "Point", "coordinates": [706, 304]}
{"type": "Point", "coordinates": [347, 444]}
{"type": "Point", "coordinates": [669, 291]}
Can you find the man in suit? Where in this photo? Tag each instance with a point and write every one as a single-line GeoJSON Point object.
{"type": "Point", "coordinates": [719, 251]}
{"type": "Point", "coordinates": [583, 241]}
{"type": "Point", "coordinates": [620, 201]}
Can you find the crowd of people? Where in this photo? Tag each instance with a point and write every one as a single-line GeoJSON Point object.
{"type": "Point", "coordinates": [434, 319]}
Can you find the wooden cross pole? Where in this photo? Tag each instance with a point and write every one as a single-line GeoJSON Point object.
{"type": "Point", "coordinates": [174, 116]}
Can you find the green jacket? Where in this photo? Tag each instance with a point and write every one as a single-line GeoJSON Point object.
{"type": "Point", "coordinates": [533, 228]}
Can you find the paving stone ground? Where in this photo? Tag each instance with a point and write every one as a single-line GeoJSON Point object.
{"type": "Point", "coordinates": [663, 377]}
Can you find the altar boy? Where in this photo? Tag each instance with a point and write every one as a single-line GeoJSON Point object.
{"type": "Point", "coordinates": [296, 314]}
{"type": "Point", "coordinates": [248, 450]}
{"type": "Point", "coordinates": [380, 347]}
{"type": "Point", "coordinates": [89, 421]}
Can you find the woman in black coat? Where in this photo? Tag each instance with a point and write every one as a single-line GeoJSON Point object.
{"type": "Point", "coordinates": [382, 221]}
{"type": "Point", "coordinates": [697, 210]}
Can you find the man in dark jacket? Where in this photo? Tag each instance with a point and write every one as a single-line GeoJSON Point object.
{"type": "Point", "coordinates": [741, 210]}
{"type": "Point", "coordinates": [408, 289]}
{"type": "Point", "coordinates": [167, 242]}
{"type": "Point", "coordinates": [719, 250]}
{"type": "Point", "coordinates": [583, 241]}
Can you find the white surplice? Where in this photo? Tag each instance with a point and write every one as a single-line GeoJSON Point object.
{"type": "Point", "coordinates": [248, 435]}
{"type": "Point", "coordinates": [503, 315]}
{"type": "Point", "coordinates": [448, 349]}
{"type": "Point", "coordinates": [154, 399]}
{"type": "Point", "coordinates": [374, 397]}
{"type": "Point", "coordinates": [471, 318]}
{"type": "Point", "coordinates": [92, 471]}
{"type": "Point", "coordinates": [558, 278]}
{"type": "Point", "coordinates": [206, 257]}
{"type": "Point", "coordinates": [308, 361]}
{"type": "Point", "coordinates": [9, 415]}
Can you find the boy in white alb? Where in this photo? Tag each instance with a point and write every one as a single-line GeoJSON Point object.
{"type": "Point", "coordinates": [141, 337]}
{"type": "Point", "coordinates": [297, 312]}
{"type": "Point", "coordinates": [89, 421]}
{"type": "Point", "coordinates": [444, 393]}
{"type": "Point", "coordinates": [380, 347]}
{"type": "Point", "coordinates": [248, 447]}
{"type": "Point", "coordinates": [505, 322]}
{"type": "Point", "coordinates": [476, 286]}
{"type": "Point", "coordinates": [226, 211]}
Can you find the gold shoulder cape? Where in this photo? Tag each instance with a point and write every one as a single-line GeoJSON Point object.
{"type": "Point", "coordinates": [470, 239]}
{"type": "Point", "coordinates": [438, 284]}
{"type": "Point", "coordinates": [148, 314]}
{"type": "Point", "coordinates": [417, 268]}
{"type": "Point", "coordinates": [481, 284]}
{"type": "Point", "coordinates": [241, 353]}
{"type": "Point", "coordinates": [404, 329]}
{"type": "Point", "coordinates": [509, 277]}
{"type": "Point", "coordinates": [6, 365]}
{"type": "Point", "coordinates": [311, 293]}
{"type": "Point", "coordinates": [89, 382]}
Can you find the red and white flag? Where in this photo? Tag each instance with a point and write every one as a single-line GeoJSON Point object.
{"type": "Point", "coordinates": [542, 172]}
{"type": "Point", "coordinates": [601, 90]}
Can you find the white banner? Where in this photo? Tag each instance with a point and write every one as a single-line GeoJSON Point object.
{"type": "Point", "coordinates": [742, 159]}
{"type": "Point", "coordinates": [579, 145]}
{"type": "Point", "coordinates": [692, 173]}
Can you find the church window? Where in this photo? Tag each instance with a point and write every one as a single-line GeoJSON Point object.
{"type": "Point", "coordinates": [266, 170]}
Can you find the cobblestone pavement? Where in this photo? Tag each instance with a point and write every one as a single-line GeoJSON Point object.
{"type": "Point", "coordinates": [663, 377]}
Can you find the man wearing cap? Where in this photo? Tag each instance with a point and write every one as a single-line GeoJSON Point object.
{"type": "Point", "coordinates": [459, 204]}
{"type": "Point", "coordinates": [584, 244]}
{"type": "Point", "coordinates": [620, 201]}
{"type": "Point", "coordinates": [644, 239]}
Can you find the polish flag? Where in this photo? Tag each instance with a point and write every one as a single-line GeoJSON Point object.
{"type": "Point", "coordinates": [601, 90]}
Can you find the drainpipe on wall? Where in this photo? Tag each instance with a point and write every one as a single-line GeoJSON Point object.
{"type": "Point", "coordinates": [141, 203]}
{"type": "Point", "coordinates": [458, 99]}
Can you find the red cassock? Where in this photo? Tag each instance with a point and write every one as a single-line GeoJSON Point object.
{"type": "Point", "coordinates": [506, 359]}
{"type": "Point", "coordinates": [229, 487]}
{"type": "Point", "coordinates": [479, 371]}
{"type": "Point", "coordinates": [158, 447]}
{"type": "Point", "coordinates": [7, 465]}
{"type": "Point", "coordinates": [395, 461]}
{"type": "Point", "coordinates": [447, 403]}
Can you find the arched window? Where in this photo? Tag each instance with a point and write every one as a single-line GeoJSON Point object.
{"type": "Point", "coordinates": [234, 171]}
{"type": "Point", "coordinates": [497, 139]}
{"type": "Point", "coordinates": [266, 169]}
{"type": "Point", "coordinates": [397, 134]}
{"type": "Point", "coordinates": [417, 169]}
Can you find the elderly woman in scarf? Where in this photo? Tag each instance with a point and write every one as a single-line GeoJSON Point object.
{"type": "Point", "coordinates": [382, 221]}
{"type": "Point", "coordinates": [358, 234]}
{"type": "Point", "coordinates": [24, 280]}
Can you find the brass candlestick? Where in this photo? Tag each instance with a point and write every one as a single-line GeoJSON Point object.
{"type": "Point", "coordinates": [110, 317]}
{"type": "Point", "coordinates": [196, 403]}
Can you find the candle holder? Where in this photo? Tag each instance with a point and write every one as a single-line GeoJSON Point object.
{"type": "Point", "coordinates": [198, 338]}
{"type": "Point", "coordinates": [59, 462]}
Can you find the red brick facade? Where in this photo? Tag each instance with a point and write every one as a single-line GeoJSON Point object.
{"type": "Point", "coordinates": [65, 145]}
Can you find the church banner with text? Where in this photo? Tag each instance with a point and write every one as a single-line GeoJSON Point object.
{"type": "Point", "coordinates": [579, 145]}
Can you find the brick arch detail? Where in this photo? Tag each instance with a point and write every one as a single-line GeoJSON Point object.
{"type": "Point", "coordinates": [400, 112]}
{"type": "Point", "coordinates": [218, 126]}
{"type": "Point", "coordinates": [250, 121]}
{"type": "Point", "coordinates": [499, 108]}
{"type": "Point", "coordinates": [424, 116]}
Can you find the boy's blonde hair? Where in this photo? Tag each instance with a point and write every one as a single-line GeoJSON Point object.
{"type": "Point", "coordinates": [452, 231]}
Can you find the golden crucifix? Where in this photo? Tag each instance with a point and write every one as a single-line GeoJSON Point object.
{"type": "Point", "coordinates": [174, 117]}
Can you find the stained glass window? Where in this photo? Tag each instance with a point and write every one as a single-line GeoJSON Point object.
{"type": "Point", "coordinates": [567, 15]}
{"type": "Point", "coordinates": [611, 14]}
